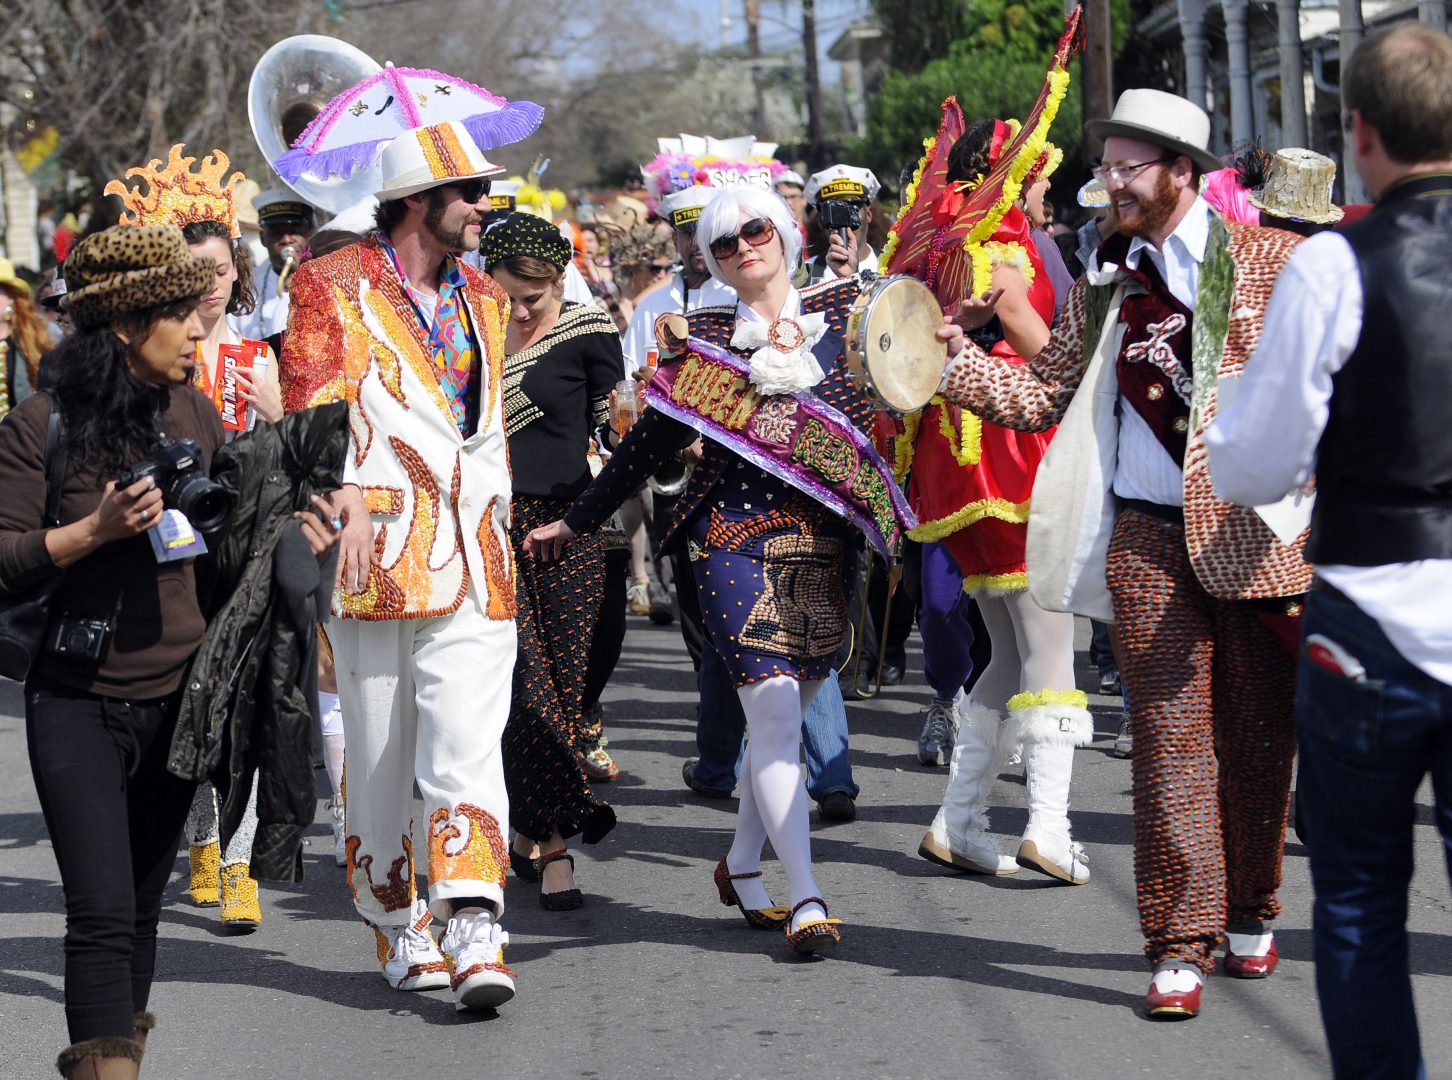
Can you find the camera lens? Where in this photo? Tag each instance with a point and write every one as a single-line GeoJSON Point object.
{"type": "Point", "coordinates": [77, 640]}
{"type": "Point", "coordinates": [205, 502]}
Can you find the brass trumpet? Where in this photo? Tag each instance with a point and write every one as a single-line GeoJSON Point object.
{"type": "Point", "coordinates": [289, 264]}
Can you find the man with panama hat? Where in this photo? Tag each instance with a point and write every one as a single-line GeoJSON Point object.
{"type": "Point", "coordinates": [423, 635]}
{"type": "Point", "coordinates": [1204, 593]}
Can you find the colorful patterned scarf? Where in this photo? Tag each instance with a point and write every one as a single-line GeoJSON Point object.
{"type": "Point", "coordinates": [450, 341]}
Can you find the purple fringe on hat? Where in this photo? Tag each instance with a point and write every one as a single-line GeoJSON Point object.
{"type": "Point", "coordinates": [515, 121]}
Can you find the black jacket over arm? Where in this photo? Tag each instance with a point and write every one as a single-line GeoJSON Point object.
{"type": "Point", "coordinates": [250, 700]}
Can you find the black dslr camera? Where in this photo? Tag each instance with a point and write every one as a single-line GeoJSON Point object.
{"type": "Point", "coordinates": [175, 467]}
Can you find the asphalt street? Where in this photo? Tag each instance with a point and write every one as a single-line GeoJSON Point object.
{"type": "Point", "coordinates": [939, 975]}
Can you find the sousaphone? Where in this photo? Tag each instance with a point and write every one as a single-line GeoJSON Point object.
{"type": "Point", "coordinates": [289, 86]}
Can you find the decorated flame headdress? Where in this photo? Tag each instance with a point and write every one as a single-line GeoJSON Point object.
{"type": "Point", "coordinates": [938, 218]}
{"type": "Point", "coordinates": [177, 195]}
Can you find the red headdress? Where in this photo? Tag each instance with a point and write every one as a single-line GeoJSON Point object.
{"type": "Point", "coordinates": [937, 218]}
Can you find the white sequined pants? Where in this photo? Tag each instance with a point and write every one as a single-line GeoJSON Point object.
{"type": "Point", "coordinates": [425, 700]}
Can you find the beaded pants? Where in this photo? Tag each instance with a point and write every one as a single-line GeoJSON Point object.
{"type": "Point", "coordinates": [1211, 692]}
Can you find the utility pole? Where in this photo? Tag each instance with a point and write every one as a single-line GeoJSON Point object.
{"type": "Point", "coordinates": [1351, 33]}
{"type": "Point", "coordinates": [1097, 66]}
{"type": "Point", "coordinates": [814, 85]}
{"type": "Point", "coordinates": [753, 50]}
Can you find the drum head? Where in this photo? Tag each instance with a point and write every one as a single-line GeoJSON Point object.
{"type": "Point", "coordinates": [899, 344]}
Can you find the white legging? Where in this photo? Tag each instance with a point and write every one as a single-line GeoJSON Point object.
{"type": "Point", "coordinates": [773, 797]}
{"type": "Point", "coordinates": [1033, 650]}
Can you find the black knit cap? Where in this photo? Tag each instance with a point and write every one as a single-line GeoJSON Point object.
{"type": "Point", "coordinates": [526, 234]}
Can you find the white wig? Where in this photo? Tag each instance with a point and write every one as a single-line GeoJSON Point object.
{"type": "Point", "coordinates": [722, 217]}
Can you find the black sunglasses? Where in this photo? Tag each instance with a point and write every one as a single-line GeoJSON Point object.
{"type": "Point", "coordinates": [756, 232]}
{"type": "Point", "coordinates": [471, 191]}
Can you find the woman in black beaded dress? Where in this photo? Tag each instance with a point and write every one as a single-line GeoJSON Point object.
{"type": "Point", "coordinates": [769, 561]}
{"type": "Point", "coordinates": [561, 361]}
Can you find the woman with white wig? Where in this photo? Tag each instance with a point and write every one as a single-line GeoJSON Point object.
{"type": "Point", "coordinates": [769, 550]}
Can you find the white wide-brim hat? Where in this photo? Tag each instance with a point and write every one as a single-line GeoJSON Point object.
{"type": "Point", "coordinates": [427, 157]}
{"type": "Point", "coordinates": [1162, 119]}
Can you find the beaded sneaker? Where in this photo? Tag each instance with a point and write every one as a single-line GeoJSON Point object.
{"type": "Point", "coordinates": [590, 747]}
{"type": "Point", "coordinates": [241, 912]}
{"type": "Point", "coordinates": [940, 732]}
{"type": "Point", "coordinates": [410, 958]}
{"type": "Point", "coordinates": [637, 597]}
{"type": "Point", "coordinates": [473, 945]}
{"type": "Point", "coordinates": [206, 869]}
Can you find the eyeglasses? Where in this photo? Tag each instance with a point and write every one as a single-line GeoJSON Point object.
{"type": "Point", "coordinates": [1123, 174]}
{"type": "Point", "coordinates": [756, 232]}
{"type": "Point", "coordinates": [656, 268]}
{"type": "Point", "coordinates": [471, 191]}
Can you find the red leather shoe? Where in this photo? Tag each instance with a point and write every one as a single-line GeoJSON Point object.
{"type": "Point", "coordinates": [1250, 967]}
{"type": "Point", "coordinates": [1173, 1005]}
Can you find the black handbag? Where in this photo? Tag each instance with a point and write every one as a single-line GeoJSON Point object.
{"type": "Point", "coordinates": [24, 617]}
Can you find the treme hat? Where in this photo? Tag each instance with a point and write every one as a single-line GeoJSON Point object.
{"type": "Point", "coordinates": [1162, 119]}
{"type": "Point", "coordinates": [843, 182]}
{"type": "Point", "coordinates": [279, 206]}
{"type": "Point", "coordinates": [683, 208]}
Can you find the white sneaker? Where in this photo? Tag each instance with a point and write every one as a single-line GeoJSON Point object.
{"type": "Point", "coordinates": [340, 837]}
{"type": "Point", "coordinates": [474, 948]}
{"type": "Point", "coordinates": [410, 958]}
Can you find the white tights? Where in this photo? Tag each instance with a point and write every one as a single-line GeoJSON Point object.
{"type": "Point", "coordinates": [1033, 649]}
{"type": "Point", "coordinates": [773, 796]}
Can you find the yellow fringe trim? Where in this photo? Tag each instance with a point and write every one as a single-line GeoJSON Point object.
{"type": "Point", "coordinates": [996, 583]}
{"type": "Point", "coordinates": [909, 197]}
{"type": "Point", "coordinates": [974, 512]}
{"type": "Point", "coordinates": [1029, 699]}
{"type": "Point", "coordinates": [967, 442]}
{"type": "Point", "coordinates": [1011, 254]}
{"type": "Point", "coordinates": [1033, 146]}
{"type": "Point", "coordinates": [903, 446]}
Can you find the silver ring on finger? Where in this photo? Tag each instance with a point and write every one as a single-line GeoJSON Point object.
{"type": "Point", "coordinates": [145, 515]}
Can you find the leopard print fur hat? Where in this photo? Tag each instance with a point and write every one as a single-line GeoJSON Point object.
{"type": "Point", "coordinates": [130, 268]}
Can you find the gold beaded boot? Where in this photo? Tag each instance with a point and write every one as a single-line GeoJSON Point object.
{"type": "Point", "coordinates": [241, 912]}
{"type": "Point", "coordinates": [206, 867]}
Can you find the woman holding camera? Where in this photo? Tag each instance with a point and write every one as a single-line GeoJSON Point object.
{"type": "Point", "coordinates": [101, 700]}
{"type": "Point", "coordinates": [240, 378]}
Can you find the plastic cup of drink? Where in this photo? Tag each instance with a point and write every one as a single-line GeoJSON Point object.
{"type": "Point", "coordinates": [625, 409]}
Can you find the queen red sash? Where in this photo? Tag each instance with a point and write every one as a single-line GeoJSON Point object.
{"type": "Point", "coordinates": [795, 437]}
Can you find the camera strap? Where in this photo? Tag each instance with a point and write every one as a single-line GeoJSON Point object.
{"type": "Point", "coordinates": [55, 465]}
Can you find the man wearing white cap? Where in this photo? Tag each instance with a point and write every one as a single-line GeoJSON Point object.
{"type": "Point", "coordinates": [791, 187]}
{"type": "Point", "coordinates": [842, 198]}
{"type": "Point", "coordinates": [423, 635]}
{"type": "Point", "coordinates": [1205, 593]}
{"type": "Point", "coordinates": [286, 223]}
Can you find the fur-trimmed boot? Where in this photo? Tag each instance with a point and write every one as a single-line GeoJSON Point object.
{"type": "Point", "coordinates": [142, 1024]}
{"type": "Point", "coordinates": [111, 1058]}
{"type": "Point", "coordinates": [1050, 724]}
{"type": "Point", "coordinates": [958, 837]}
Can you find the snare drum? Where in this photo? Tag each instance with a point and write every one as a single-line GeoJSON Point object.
{"type": "Point", "coordinates": [893, 354]}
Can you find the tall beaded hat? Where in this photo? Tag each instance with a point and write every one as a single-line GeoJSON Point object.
{"type": "Point", "coordinates": [176, 194]}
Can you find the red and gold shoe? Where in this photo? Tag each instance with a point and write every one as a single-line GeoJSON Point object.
{"type": "Point", "coordinates": [771, 918]}
{"type": "Point", "coordinates": [815, 936]}
{"type": "Point", "coordinates": [1250, 967]}
{"type": "Point", "coordinates": [1174, 994]}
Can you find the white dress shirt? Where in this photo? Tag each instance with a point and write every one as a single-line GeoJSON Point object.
{"type": "Point", "coordinates": [1146, 471]}
{"type": "Point", "coordinates": [1263, 445]}
{"type": "Point", "coordinates": [640, 334]}
{"type": "Point", "coordinates": [270, 315]}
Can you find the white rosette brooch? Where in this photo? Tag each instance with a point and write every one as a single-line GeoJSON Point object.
{"type": "Point", "coordinates": [782, 360]}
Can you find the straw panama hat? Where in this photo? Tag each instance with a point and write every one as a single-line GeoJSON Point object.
{"type": "Point", "coordinates": [1298, 186]}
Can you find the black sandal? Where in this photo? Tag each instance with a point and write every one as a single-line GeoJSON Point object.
{"type": "Point", "coordinates": [569, 899]}
{"type": "Point", "coordinates": [525, 868]}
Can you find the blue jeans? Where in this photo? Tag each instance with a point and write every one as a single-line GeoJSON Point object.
{"type": "Point", "coordinates": [1365, 747]}
{"type": "Point", "coordinates": [721, 727]}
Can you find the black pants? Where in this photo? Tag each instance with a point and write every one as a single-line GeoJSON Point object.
{"type": "Point", "coordinates": [608, 637]}
{"type": "Point", "coordinates": [115, 817]}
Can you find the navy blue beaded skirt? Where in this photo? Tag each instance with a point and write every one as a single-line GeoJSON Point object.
{"type": "Point", "coordinates": [770, 577]}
